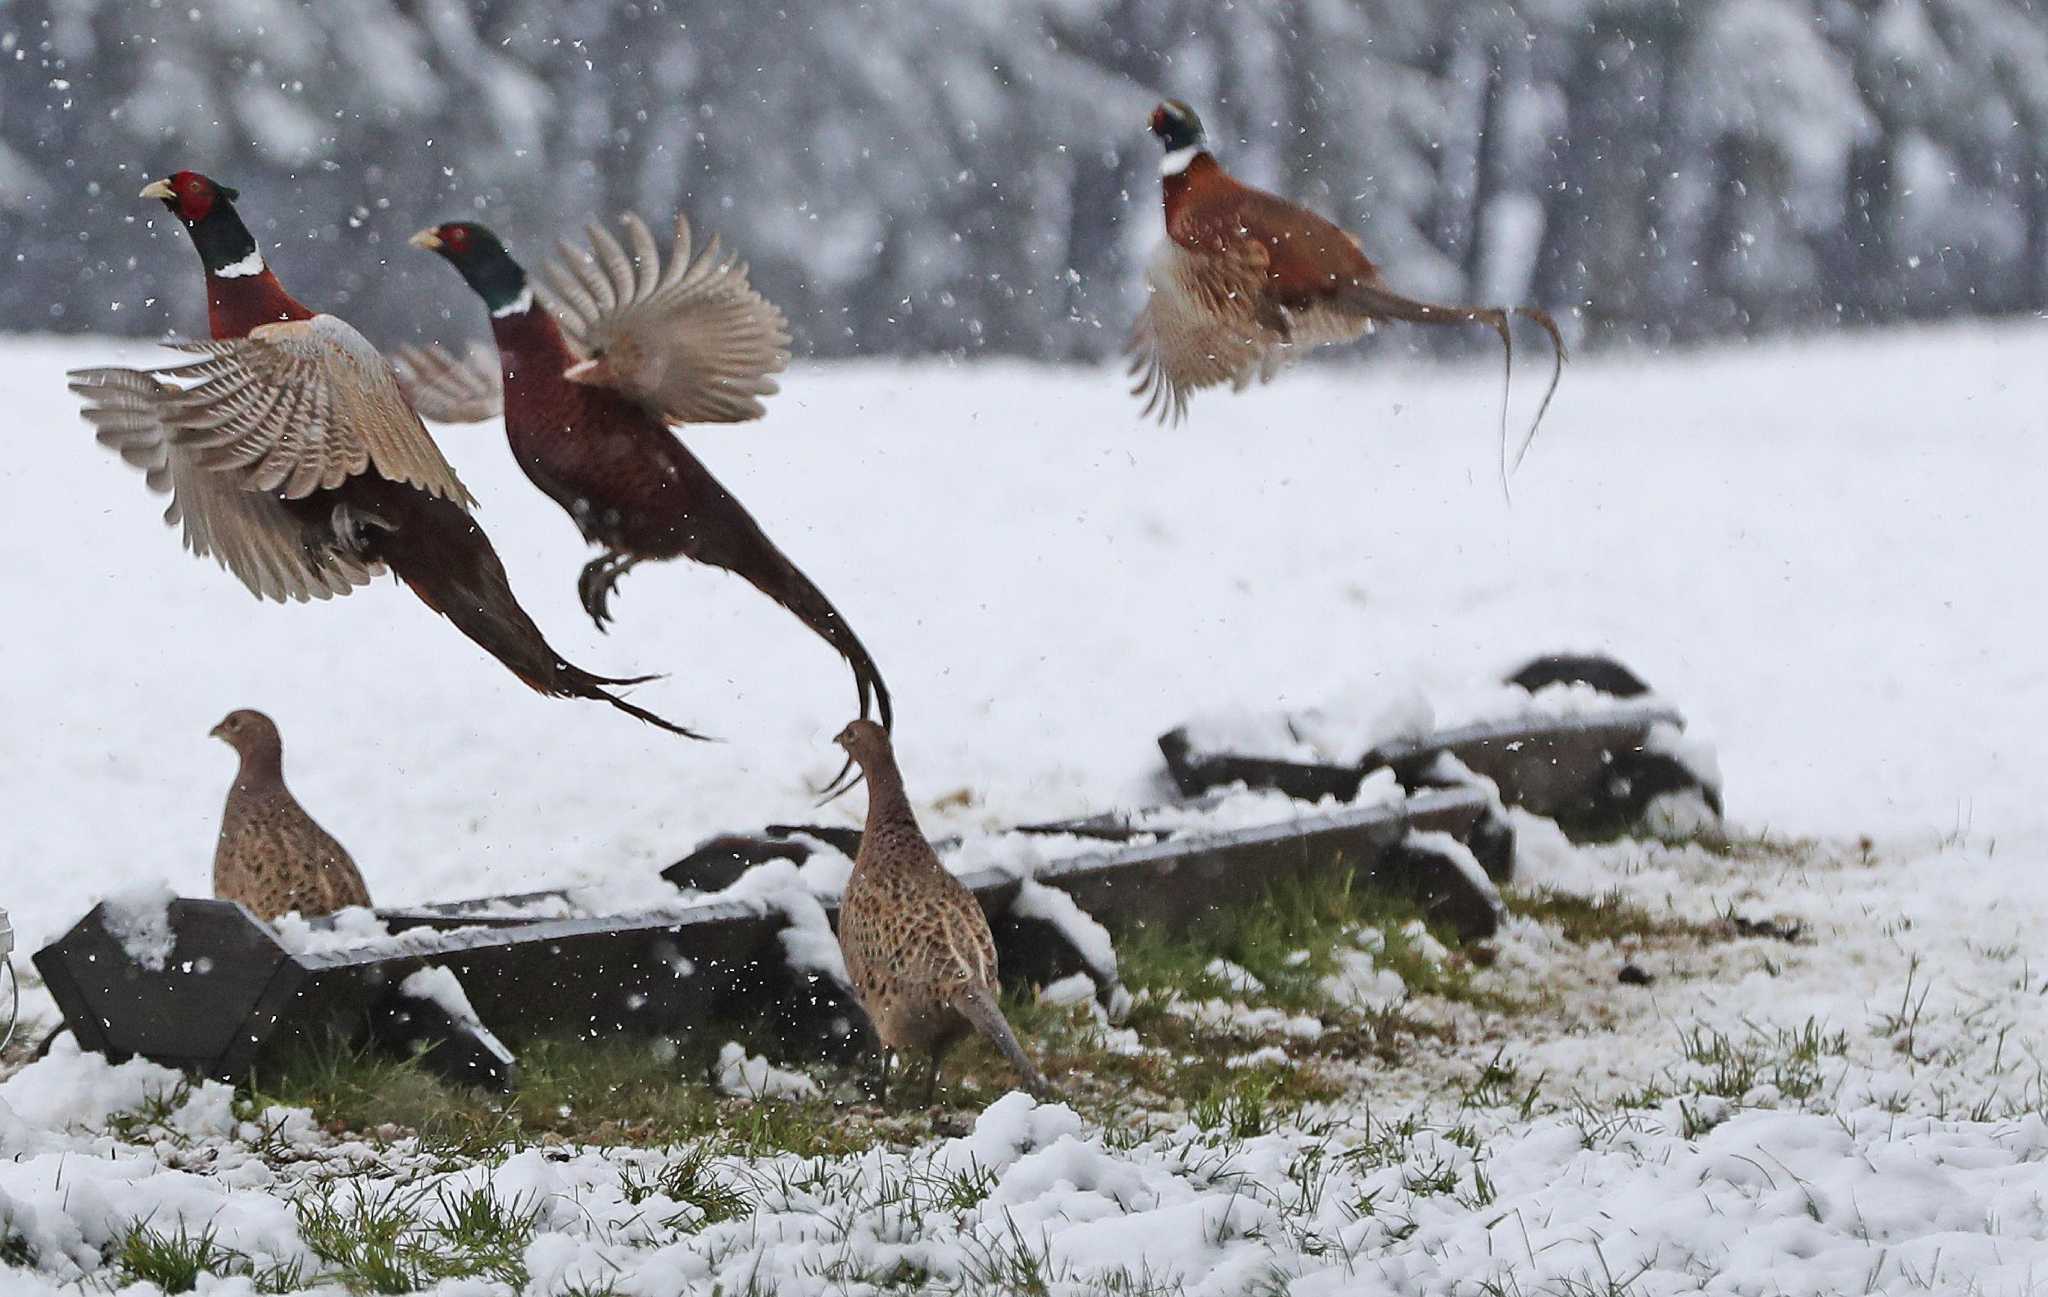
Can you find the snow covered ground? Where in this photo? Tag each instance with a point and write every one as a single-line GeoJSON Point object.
{"type": "Point", "coordinates": [1824, 553]}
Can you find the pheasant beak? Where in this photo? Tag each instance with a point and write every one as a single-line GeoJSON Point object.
{"type": "Point", "coordinates": [160, 189]}
{"type": "Point", "coordinates": [426, 241]}
{"type": "Point", "coordinates": [218, 732]}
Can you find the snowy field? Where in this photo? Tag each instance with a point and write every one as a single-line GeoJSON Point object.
{"type": "Point", "coordinates": [1825, 554]}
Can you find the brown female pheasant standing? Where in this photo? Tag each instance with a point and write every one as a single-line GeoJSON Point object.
{"type": "Point", "coordinates": [272, 857]}
{"type": "Point", "coordinates": [292, 457]}
{"type": "Point", "coordinates": [1245, 277]}
{"type": "Point", "coordinates": [917, 946]}
{"type": "Point", "coordinates": [591, 376]}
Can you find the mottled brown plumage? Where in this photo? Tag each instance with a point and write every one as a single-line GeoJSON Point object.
{"type": "Point", "coordinates": [917, 946]}
{"type": "Point", "coordinates": [272, 857]}
{"type": "Point", "coordinates": [1246, 280]}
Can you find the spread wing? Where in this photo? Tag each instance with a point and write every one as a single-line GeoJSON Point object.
{"type": "Point", "coordinates": [301, 406]}
{"type": "Point", "coordinates": [247, 532]}
{"type": "Point", "coordinates": [1200, 327]}
{"type": "Point", "coordinates": [447, 388]}
{"type": "Point", "coordinates": [691, 340]}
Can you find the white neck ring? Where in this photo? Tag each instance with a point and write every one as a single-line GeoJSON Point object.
{"type": "Point", "coordinates": [519, 305]}
{"type": "Point", "coordinates": [249, 265]}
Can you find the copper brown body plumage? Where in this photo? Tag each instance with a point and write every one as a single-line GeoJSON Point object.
{"type": "Point", "coordinates": [595, 365]}
{"type": "Point", "coordinates": [918, 948]}
{"type": "Point", "coordinates": [1247, 280]}
{"type": "Point", "coordinates": [272, 856]}
{"type": "Point", "coordinates": [291, 456]}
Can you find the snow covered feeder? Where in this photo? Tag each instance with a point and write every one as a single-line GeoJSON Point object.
{"type": "Point", "coordinates": [206, 986]}
{"type": "Point", "coordinates": [1577, 739]}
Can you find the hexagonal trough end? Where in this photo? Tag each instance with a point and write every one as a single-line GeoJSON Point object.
{"type": "Point", "coordinates": [228, 997]}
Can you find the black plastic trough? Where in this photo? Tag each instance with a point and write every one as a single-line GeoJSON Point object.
{"type": "Point", "coordinates": [232, 1002]}
{"type": "Point", "coordinates": [230, 997]}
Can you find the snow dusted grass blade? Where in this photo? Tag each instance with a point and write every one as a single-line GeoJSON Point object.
{"type": "Point", "coordinates": [176, 1259]}
{"type": "Point", "coordinates": [382, 1239]}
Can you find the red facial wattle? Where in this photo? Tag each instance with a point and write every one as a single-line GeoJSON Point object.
{"type": "Point", "coordinates": [194, 195]}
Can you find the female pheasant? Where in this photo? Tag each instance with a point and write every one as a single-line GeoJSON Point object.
{"type": "Point", "coordinates": [591, 376]}
{"type": "Point", "coordinates": [1245, 277]}
{"type": "Point", "coordinates": [272, 856]}
{"type": "Point", "coordinates": [917, 946]}
{"type": "Point", "coordinates": [291, 456]}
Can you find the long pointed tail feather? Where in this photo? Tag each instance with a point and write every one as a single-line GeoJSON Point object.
{"type": "Point", "coordinates": [979, 1007]}
{"type": "Point", "coordinates": [445, 558]}
{"type": "Point", "coordinates": [1383, 303]}
{"type": "Point", "coordinates": [753, 556]}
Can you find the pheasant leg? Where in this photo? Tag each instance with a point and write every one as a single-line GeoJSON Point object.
{"type": "Point", "coordinates": [352, 527]}
{"type": "Point", "coordinates": [595, 584]}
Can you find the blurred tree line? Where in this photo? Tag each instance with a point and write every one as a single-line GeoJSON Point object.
{"type": "Point", "coordinates": [918, 176]}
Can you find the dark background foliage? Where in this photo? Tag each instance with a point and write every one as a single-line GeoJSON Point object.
{"type": "Point", "coordinates": [964, 176]}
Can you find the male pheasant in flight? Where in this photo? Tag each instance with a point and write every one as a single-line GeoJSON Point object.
{"type": "Point", "coordinates": [592, 375]}
{"type": "Point", "coordinates": [292, 457]}
{"type": "Point", "coordinates": [1245, 277]}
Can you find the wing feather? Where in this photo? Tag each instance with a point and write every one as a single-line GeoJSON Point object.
{"type": "Point", "coordinates": [249, 533]}
{"type": "Point", "coordinates": [1199, 328]}
{"type": "Point", "coordinates": [450, 390]}
{"type": "Point", "coordinates": [301, 406]}
{"type": "Point", "coordinates": [691, 340]}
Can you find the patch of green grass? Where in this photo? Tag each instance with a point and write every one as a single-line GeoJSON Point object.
{"type": "Point", "coordinates": [1252, 1105]}
{"type": "Point", "coordinates": [1500, 1084]}
{"type": "Point", "coordinates": [1184, 1063]}
{"type": "Point", "coordinates": [412, 1237]}
{"type": "Point", "coordinates": [150, 1120]}
{"type": "Point", "coordinates": [1289, 940]}
{"type": "Point", "coordinates": [1611, 916]}
{"type": "Point", "coordinates": [173, 1260]}
{"type": "Point", "coordinates": [1785, 1058]}
{"type": "Point", "coordinates": [689, 1180]}
{"type": "Point", "coordinates": [613, 1093]}
{"type": "Point", "coordinates": [1295, 936]}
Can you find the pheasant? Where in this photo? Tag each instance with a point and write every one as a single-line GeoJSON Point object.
{"type": "Point", "coordinates": [591, 375]}
{"type": "Point", "coordinates": [272, 857]}
{"type": "Point", "coordinates": [918, 948]}
{"type": "Point", "coordinates": [1246, 277]}
{"type": "Point", "coordinates": [291, 456]}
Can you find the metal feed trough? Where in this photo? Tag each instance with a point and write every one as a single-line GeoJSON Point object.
{"type": "Point", "coordinates": [233, 1002]}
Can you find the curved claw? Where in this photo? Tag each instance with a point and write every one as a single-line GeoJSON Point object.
{"type": "Point", "coordinates": [595, 583]}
